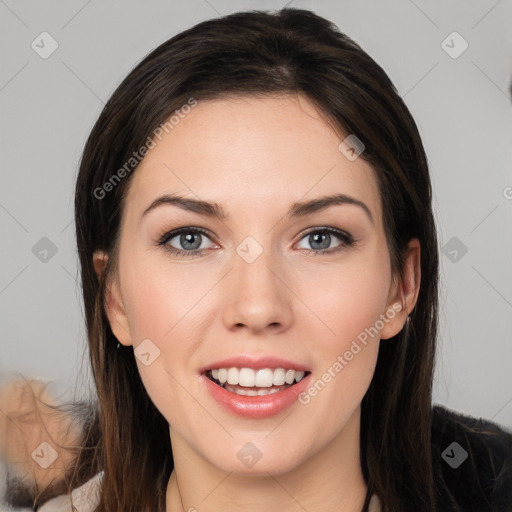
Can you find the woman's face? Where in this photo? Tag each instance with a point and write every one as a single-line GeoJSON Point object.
{"type": "Point", "coordinates": [259, 295]}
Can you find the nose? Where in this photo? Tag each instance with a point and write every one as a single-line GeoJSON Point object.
{"type": "Point", "coordinates": [258, 296]}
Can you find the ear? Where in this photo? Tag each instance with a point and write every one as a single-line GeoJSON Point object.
{"type": "Point", "coordinates": [115, 309]}
{"type": "Point", "coordinates": [404, 292]}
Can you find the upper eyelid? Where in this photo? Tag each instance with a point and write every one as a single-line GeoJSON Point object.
{"type": "Point", "coordinates": [169, 235]}
{"type": "Point", "coordinates": [344, 236]}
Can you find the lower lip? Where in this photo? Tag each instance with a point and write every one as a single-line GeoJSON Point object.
{"type": "Point", "coordinates": [256, 407]}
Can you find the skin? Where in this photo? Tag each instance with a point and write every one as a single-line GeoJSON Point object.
{"type": "Point", "coordinates": [255, 157]}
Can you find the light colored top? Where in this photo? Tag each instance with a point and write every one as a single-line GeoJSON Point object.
{"type": "Point", "coordinates": [87, 497]}
{"type": "Point", "coordinates": [84, 498]}
{"type": "Point", "coordinates": [374, 505]}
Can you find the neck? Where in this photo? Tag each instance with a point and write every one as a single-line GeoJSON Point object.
{"type": "Point", "coordinates": [331, 480]}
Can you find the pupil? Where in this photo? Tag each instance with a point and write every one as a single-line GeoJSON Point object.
{"type": "Point", "coordinates": [324, 243]}
{"type": "Point", "coordinates": [186, 239]}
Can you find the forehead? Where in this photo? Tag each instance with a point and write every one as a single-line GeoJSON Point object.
{"type": "Point", "coordinates": [251, 155]}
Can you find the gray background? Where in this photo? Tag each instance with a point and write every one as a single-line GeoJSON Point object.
{"type": "Point", "coordinates": [462, 107]}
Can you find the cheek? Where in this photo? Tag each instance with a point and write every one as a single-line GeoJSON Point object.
{"type": "Point", "coordinates": [165, 303]}
{"type": "Point", "coordinates": [352, 301]}
{"type": "Point", "coordinates": [160, 308]}
{"type": "Point", "coordinates": [161, 299]}
{"type": "Point", "coordinates": [346, 299]}
{"type": "Point", "coordinates": [347, 352]}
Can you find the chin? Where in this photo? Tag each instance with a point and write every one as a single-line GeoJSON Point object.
{"type": "Point", "coordinates": [260, 456]}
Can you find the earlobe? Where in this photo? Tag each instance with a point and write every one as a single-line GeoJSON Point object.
{"type": "Point", "coordinates": [114, 307]}
{"type": "Point", "coordinates": [406, 294]}
{"type": "Point", "coordinates": [100, 259]}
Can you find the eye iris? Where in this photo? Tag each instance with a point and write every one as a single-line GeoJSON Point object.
{"type": "Point", "coordinates": [324, 243]}
{"type": "Point", "coordinates": [188, 238]}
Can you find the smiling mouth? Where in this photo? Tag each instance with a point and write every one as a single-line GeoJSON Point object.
{"type": "Point", "coordinates": [249, 382]}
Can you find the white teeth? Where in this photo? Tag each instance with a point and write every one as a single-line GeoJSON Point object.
{"type": "Point", "coordinates": [251, 392]}
{"type": "Point", "coordinates": [233, 376]}
{"type": "Point", "coordinates": [223, 375]}
{"type": "Point", "coordinates": [278, 379]}
{"type": "Point", "coordinates": [263, 378]}
{"type": "Point", "coordinates": [246, 377]}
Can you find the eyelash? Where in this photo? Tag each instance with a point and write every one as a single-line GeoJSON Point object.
{"type": "Point", "coordinates": [346, 239]}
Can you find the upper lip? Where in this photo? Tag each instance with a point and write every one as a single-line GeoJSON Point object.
{"type": "Point", "coordinates": [256, 363]}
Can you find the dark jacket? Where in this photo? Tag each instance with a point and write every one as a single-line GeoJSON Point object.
{"type": "Point", "coordinates": [472, 463]}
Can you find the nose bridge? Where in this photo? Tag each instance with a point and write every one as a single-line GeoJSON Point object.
{"type": "Point", "coordinates": [254, 273]}
{"type": "Point", "coordinates": [257, 297]}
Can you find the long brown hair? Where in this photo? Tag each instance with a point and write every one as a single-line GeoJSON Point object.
{"type": "Point", "coordinates": [261, 53]}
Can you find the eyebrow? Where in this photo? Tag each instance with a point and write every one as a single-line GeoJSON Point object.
{"type": "Point", "coordinates": [298, 209]}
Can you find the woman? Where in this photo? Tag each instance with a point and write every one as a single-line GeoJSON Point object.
{"type": "Point", "coordinates": [260, 274]}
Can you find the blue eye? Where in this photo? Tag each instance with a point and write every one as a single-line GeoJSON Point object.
{"type": "Point", "coordinates": [191, 239]}
{"type": "Point", "coordinates": [322, 238]}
